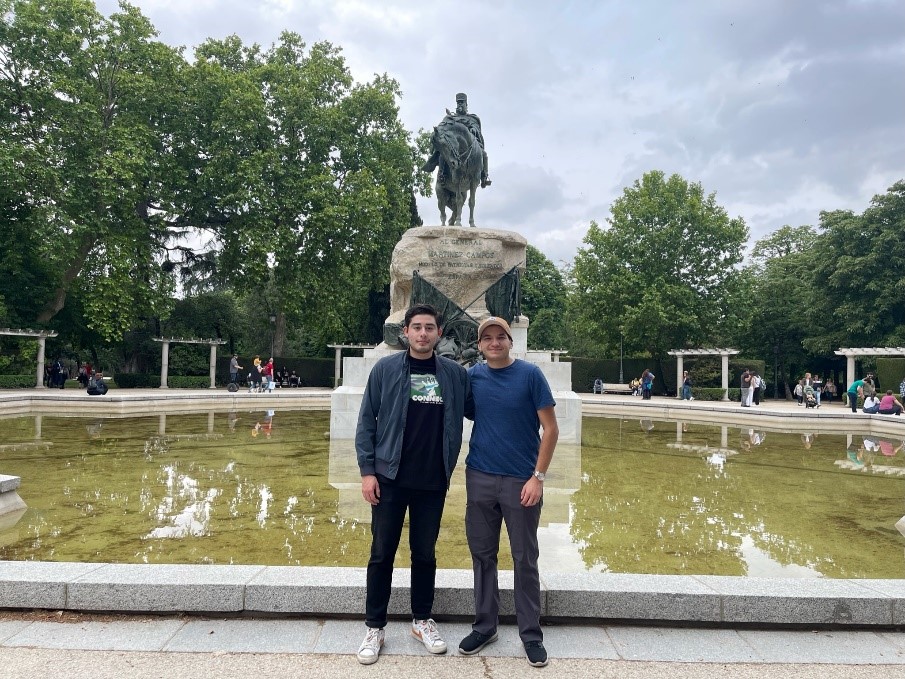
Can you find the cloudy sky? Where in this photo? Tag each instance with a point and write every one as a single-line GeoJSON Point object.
{"type": "Point", "coordinates": [782, 107]}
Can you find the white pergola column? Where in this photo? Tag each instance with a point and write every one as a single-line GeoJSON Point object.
{"type": "Point", "coordinates": [213, 369]}
{"type": "Point", "coordinates": [164, 364]}
{"type": "Point", "coordinates": [337, 367]}
{"type": "Point", "coordinates": [849, 370]}
{"type": "Point", "coordinates": [725, 383]}
{"type": "Point", "coordinates": [680, 366]}
{"type": "Point", "coordinates": [42, 341]}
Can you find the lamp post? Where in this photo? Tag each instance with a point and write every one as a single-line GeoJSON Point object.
{"type": "Point", "coordinates": [621, 378]}
{"type": "Point", "coordinates": [273, 327]}
{"type": "Point", "coordinates": [775, 371]}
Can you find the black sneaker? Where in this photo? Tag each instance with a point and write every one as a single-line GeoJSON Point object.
{"type": "Point", "coordinates": [475, 641]}
{"type": "Point", "coordinates": [537, 654]}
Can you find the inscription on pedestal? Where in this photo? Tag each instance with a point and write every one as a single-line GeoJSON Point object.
{"type": "Point", "coordinates": [460, 262]}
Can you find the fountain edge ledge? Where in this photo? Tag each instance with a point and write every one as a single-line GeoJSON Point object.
{"type": "Point", "coordinates": [325, 591]}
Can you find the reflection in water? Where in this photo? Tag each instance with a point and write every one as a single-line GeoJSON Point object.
{"type": "Point", "coordinates": [662, 497]}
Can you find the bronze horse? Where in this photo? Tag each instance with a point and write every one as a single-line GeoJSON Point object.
{"type": "Point", "coordinates": [461, 162]}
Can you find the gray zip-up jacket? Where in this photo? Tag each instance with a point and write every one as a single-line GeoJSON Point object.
{"type": "Point", "coordinates": [384, 408]}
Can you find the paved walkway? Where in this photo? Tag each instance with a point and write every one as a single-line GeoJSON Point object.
{"type": "Point", "coordinates": [135, 647]}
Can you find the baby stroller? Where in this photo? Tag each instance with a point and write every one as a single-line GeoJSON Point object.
{"type": "Point", "coordinates": [810, 397]}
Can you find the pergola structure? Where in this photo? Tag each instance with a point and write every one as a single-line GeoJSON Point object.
{"type": "Point", "coordinates": [337, 366]}
{"type": "Point", "coordinates": [165, 356]}
{"type": "Point", "coordinates": [724, 354]}
{"type": "Point", "coordinates": [860, 352]}
{"type": "Point", "coordinates": [41, 336]}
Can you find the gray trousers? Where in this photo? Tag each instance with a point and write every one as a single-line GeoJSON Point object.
{"type": "Point", "coordinates": [493, 499]}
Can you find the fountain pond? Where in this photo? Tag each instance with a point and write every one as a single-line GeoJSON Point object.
{"type": "Point", "coordinates": [638, 496]}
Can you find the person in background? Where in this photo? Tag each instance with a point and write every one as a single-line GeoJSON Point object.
{"type": "Point", "coordinates": [871, 404]}
{"type": "Point", "coordinates": [234, 369]}
{"type": "Point", "coordinates": [686, 386]}
{"type": "Point", "coordinates": [745, 382]}
{"type": "Point", "coordinates": [855, 389]}
{"type": "Point", "coordinates": [829, 390]}
{"type": "Point", "coordinates": [889, 404]}
{"type": "Point", "coordinates": [818, 388]}
{"type": "Point", "coordinates": [267, 374]}
{"type": "Point", "coordinates": [647, 383]}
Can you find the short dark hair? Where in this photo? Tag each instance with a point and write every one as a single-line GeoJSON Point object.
{"type": "Point", "coordinates": [421, 309]}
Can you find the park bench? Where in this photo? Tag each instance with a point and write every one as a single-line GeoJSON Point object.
{"type": "Point", "coordinates": [616, 388]}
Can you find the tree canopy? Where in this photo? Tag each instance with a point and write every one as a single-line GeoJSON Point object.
{"type": "Point", "coordinates": [663, 272]}
{"type": "Point", "coordinates": [136, 170]}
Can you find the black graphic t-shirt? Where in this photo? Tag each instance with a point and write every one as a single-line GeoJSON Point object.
{"type": "Point", "coordinates": [422, 443]}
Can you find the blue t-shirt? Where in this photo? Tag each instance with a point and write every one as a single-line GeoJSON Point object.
{"type": "Point", "coordinates": [505, 439]}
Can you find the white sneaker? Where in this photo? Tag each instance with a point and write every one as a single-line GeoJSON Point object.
{"type": "Point", "coordinates": [369, 650]}
{"type": "Point", "coordinates": [427, 632]}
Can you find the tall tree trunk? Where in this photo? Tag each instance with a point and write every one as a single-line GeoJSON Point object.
{"type": "Point", "coordinates": [58, 301]}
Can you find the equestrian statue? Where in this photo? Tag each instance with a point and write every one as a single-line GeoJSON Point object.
{"type": "Point", "coordinates": [457, 147]}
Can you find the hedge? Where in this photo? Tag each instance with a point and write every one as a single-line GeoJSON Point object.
{"type": "Point", "coordinates": [139, 380]}
{"type": "Point", "coordinates": [188, 381]}
{"type": "Point", "coordinates": [715, 394]}
{"type": "Point", "coordinates": [890, 372]}
{"type": "Point", "coordinates": [17, 381]}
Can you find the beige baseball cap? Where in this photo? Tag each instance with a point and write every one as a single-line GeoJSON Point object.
{"type": "Point", "coordinates": [494, 320]}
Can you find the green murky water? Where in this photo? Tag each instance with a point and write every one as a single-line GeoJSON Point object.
{"type": "Point", "coordinates": [637, 497]}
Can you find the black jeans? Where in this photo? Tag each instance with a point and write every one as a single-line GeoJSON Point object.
{"type": "Point", "coordinates": [425, 508]}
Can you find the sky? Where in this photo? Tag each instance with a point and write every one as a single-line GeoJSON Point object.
{"type": "Point", "coordinates": [782, 108]}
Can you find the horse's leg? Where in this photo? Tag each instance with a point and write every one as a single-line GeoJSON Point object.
{"type": "Point", "coordinates": [471, 205]}
{"type": "Point", "coordinates": [442, 205]}
{"type": "Point", "coordinates": [460, 203]}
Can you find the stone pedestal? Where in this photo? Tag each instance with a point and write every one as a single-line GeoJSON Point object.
{"type": "Point", "coordinates": [460, 262]}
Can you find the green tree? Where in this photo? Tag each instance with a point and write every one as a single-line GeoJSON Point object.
{"type": "Point", "coordinates": [85, 100]}
{"type": "Point", "coordinates": [543, 301]}
{"type": "Point", "coordinates": [313, 197]}
{"type": "Point", "coordinates": [858, 264]}
{"type": "Point", "coordinates": [782, 299]}
{"type": "Point", "coordinates": [663, 273]}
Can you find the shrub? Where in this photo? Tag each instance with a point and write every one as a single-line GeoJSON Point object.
{"type": "Point", "coordinates": [138, 380]}
{"type": "Point", "coordinates": [188, 381]}
{"type": "Point", "coordinates": [17, 381]}
{"type": "Point", "coordinates": [715, 394]}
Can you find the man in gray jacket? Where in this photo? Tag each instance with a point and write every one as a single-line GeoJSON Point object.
{"type": "Point", "coordinates": [407, 441]}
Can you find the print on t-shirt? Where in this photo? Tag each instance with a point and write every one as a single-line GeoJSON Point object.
{"type": "Point", "coordinates": [426, 389]}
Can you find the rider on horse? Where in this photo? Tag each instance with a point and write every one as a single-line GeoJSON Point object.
{"type": "Point", "coordinates": [473, 123]}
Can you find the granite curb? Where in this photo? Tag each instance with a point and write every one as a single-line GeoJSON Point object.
{"type": "Point", "coordinates": [591, 598]}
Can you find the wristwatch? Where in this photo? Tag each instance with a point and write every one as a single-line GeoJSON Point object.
{"type": "Point", "coordinates": [540, 476]}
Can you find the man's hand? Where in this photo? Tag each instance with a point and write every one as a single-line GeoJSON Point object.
{"type": "Point", "coordinates": [370, 489]}
{"type": "Point", "coordinates": [532, 492]}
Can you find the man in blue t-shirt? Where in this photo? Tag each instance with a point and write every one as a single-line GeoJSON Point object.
{"type": "Point", "coordinates": [504, 481]}
{"type": "Point", "coordinates": [407, 442]}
